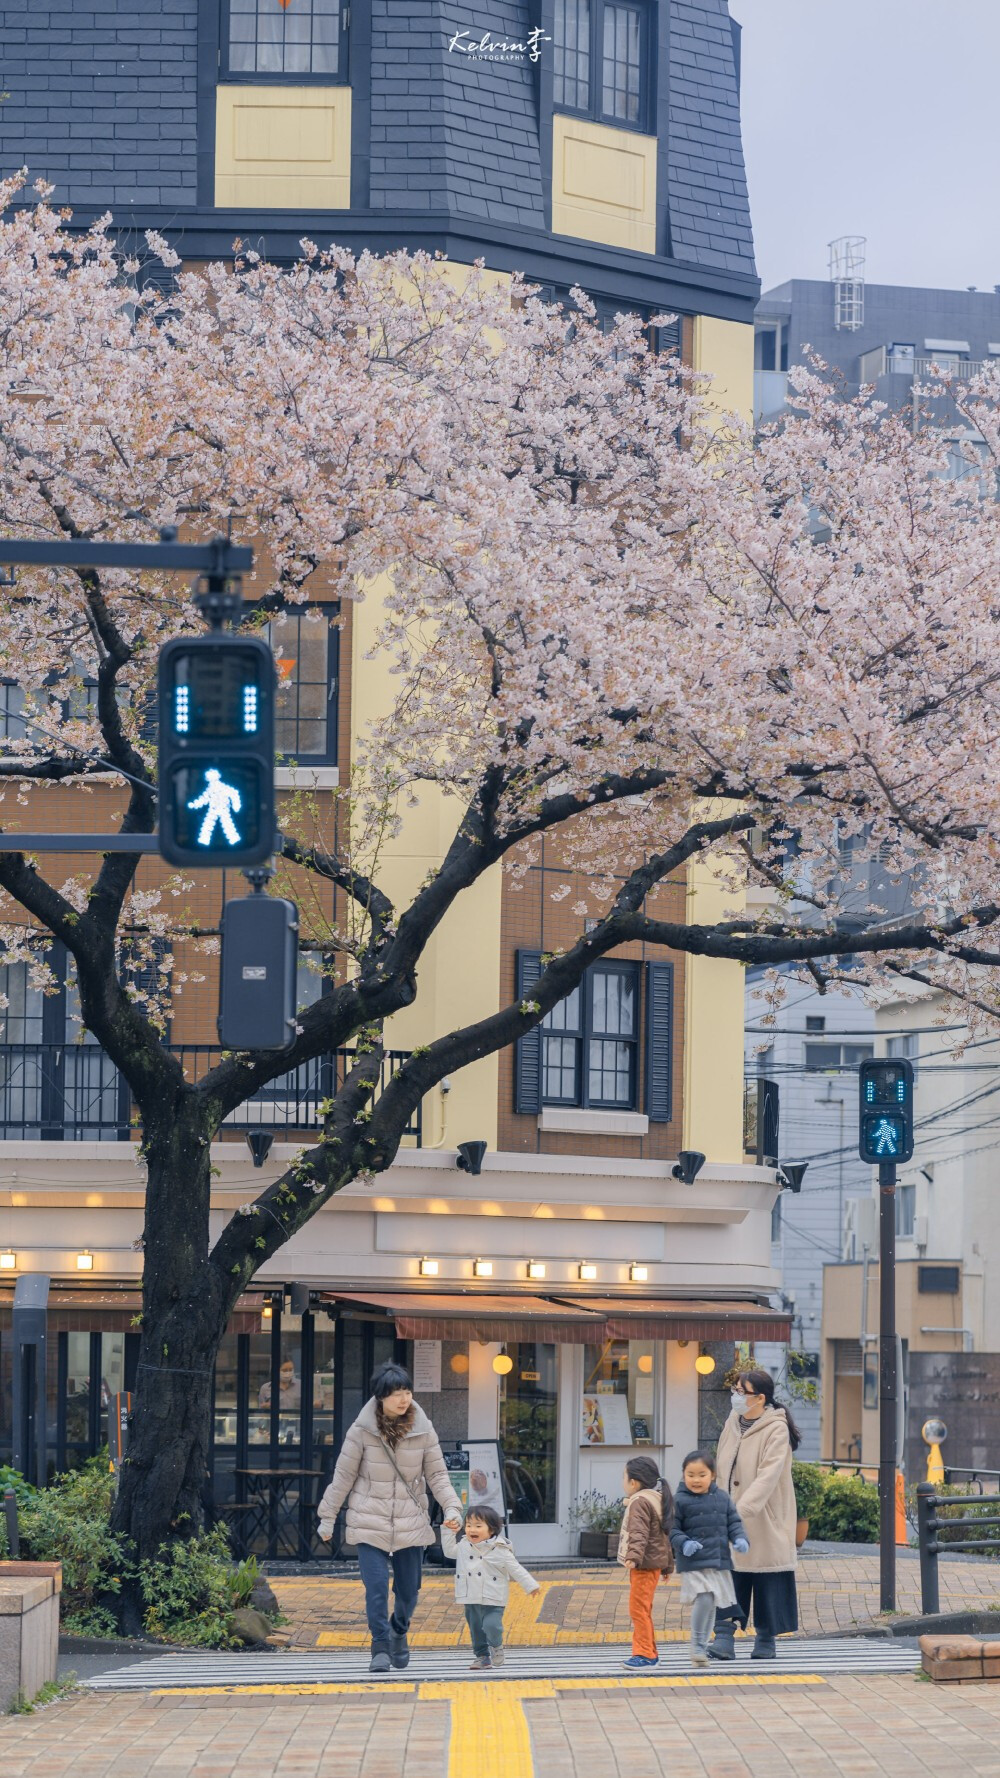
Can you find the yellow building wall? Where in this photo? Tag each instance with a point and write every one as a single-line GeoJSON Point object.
{"type": "Point", "coordinates": [283, 148]}
{"type": "Point", "coordinates": [713, 1027]}
{"type": "Point", "coordinates": [603, 184]}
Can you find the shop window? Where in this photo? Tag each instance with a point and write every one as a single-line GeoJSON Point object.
{"type": "Point", "coordinates": [713, 1395]}
{"type": "Point", "coordinates": [528, 1412]}
{"type": "Point", "coordinates": [618, 1399]}
{"type": "Point", "coordinates": [284, 39]}
{"type": "Point", "coordinates": [601, 60]}
{"type": "Point", "coordinates": [586, 1050]}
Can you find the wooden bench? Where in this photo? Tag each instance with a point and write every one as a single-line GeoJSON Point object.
{"type": "Point", "coordinates": [960, 1657]}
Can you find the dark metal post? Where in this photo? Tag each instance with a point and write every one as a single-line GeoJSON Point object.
{"type": "Point", "coordinates": [930, 1598]}
{"type": "Point", "coordinates": [10, 1515]}
{"type": "Point", "coordinates": [888, 1384]}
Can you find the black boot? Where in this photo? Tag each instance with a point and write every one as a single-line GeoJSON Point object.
{"type": "Point", "coordinates": [399, 1648]}
{"type": "Point", "coordinates": [723, 1645]}
{"type": "Point", "coordinates": [380, 1658]}
{"type": "Point", "coordinates": [764, 1649]}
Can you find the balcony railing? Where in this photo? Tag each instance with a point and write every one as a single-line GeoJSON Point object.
{"type": "Point", "coordinates": [880, 362]}
{"type": "Point", "coordinates": [72, 1092]}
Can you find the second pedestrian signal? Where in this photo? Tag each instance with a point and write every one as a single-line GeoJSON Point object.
{"type": "Point", "coordinates": [216, 751]}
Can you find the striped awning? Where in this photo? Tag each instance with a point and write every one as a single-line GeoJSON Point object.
{"type": "Point", "coordinates": [489, 1319]}
{"type": "Point", "coordinates": [568, 1321]}
{"type": "Point", "coordinates": [663, 1318]}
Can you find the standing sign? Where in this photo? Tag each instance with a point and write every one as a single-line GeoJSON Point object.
{"type": "Point", "coordinates": [486, 1486]}
{"type": "Point", "coordinates": [119, 1410]}
{"type": "Point", "coordinates": [427, 1367]}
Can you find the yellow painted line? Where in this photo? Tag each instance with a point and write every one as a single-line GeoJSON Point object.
{"type": "Point", "coordinates": [306, 1689]}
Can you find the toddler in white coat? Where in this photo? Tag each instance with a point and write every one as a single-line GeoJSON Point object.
{"type": "Point", "coordinates": [485, 1567]}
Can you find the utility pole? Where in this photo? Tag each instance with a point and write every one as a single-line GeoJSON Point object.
{"type": "Point", "coordinates": [885, 1136]}
{"type": "Point", "coordinates": [888, 1383]}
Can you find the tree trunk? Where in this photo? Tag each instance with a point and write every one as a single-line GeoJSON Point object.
{"type": "Point", "coordinates": [185, 1310]}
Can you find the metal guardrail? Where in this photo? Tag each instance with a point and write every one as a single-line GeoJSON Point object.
{"type": "Point", "coordinates": [929, 1524]}
{"type": "Point", "coordinates": [990, 1476]}
{"type": "Point", "coordinates": [72, 1092]}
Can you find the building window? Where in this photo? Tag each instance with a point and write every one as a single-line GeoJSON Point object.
{"type": "Point", "coordinates": [601, 60]}
{"type": "Point", "coordinates": [590, 1040]}
{"type": "Point", "coordinates": [284, 39]}
{"type": "Point", "coordinates": [776, 1220]}
{"type": "Point", "coordinates": [906, 1204]}
{"type": "Point", "coordinates": [906, 1045]}
{"type": "Point", "coordinates": [815, 1022]}
{"type": "Point", "coordinates": [586, 1051]}
{"type": "Point", "coordinates": [836, 1058]}
{"type": "Point", "coordinates": [618, 1394]}
{"type": "Point", "coordinates": [306, 655]}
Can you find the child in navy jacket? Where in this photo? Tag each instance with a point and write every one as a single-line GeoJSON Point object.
{"type": "Point", "coordinates": [705, 1524]}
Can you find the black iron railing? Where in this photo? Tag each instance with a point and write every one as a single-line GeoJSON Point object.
{"type": "Point", "coordinates": [936, 1529]}
{"type": "Point", "coordinates": [73, 1092]}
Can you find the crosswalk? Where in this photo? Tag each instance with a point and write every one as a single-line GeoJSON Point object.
{"type": "Point", "coordinates": [292, 1668]}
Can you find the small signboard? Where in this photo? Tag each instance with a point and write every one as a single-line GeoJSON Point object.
{"type": "Point", "coordinates": [427, 1367]}
{"type": "Point", "coordinates": [119, 1410]}
{"type": "Point", "coordinates": [486, 1475]}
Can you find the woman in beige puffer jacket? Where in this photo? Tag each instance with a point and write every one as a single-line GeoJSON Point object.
{"type": "Point", "coordinates": [389, 1459]}
{"type": "Point", "coordinates": [754, 1466]}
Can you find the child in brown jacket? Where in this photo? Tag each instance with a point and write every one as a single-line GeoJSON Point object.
{"type": "Point", "coordinates": [644, 1549]}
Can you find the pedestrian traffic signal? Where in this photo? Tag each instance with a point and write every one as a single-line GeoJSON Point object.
{"type": "Point", "coordinates": [885, 1110]}
{"type": "Point", "coordinates": [216, 741]}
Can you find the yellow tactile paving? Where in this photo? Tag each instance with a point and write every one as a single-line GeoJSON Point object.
{"type": "Point", "coordinates": [489, 1733]}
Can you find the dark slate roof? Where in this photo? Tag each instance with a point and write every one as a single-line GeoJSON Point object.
{"type": "Point", "coordinates": [709, 205]}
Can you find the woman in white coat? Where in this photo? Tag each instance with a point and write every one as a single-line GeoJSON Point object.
{"type": "Point", "coordinates": [754, 1467]}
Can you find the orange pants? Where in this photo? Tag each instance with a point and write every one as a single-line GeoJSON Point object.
{"type": "Point", "coordinates": [642, 1585]}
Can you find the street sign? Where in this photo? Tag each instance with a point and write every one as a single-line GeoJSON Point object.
{"type": "Point", "coordinates": [257, 977]}
{"type": "Point", "coordinates": [885, 1110]}
{"type": "Point", "coordinates": [216, 750]}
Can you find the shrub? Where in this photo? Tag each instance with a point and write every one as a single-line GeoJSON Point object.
{"type": "Point", "coordinates": [847, 1511]}
{"type": "Point", "coordinates": [810, 1486]}
{"type": "Point", "coordinates": [593, 1511]}
{"type": "Point", "coordinates": [191, 1591]}
{"type": "Point", "coordinates": [68, 1523]}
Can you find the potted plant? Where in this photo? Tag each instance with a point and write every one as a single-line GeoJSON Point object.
{"type": "Point", "coordinates": [598, 1521]}
{"type": "Point", "coordinates": [809, 1484]}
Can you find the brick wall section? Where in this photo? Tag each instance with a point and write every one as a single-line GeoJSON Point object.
{"type": "Point", "coordinates": [102, 98]}
{"type": "Point", "coordinates": [531, 920]}
{"type": "Point", "coordinates": [449, 131]}
{"type": "Point", "coordinates": [709, 206]}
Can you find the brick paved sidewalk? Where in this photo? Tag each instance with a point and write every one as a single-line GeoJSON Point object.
{"type": "Point", "coordinates": [846, 1728]}
{"type": "Point", "coordinates": [836, 1593]}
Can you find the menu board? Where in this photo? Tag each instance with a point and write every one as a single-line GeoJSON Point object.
{"type": "Point", "coordinates": [605, 1420]}
{"type": "Point", "coordinates": [485, 1475]}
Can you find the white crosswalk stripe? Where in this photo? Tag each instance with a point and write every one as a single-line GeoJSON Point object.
{"type": "Point", "coordinates": [207, 1668]}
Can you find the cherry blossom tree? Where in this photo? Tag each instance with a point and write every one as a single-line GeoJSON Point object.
{"type": "Point", "coordinates": [608, 613]}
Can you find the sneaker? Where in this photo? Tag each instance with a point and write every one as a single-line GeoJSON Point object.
{"type": "Point", "coordinates": [497, 1657]}
{"type": "Point", "coordinates": [480, 1664]}
{"type": "Point", "coordinates": [639, 1663]}
{"type": "Point", "coordinates": [699, 1657]}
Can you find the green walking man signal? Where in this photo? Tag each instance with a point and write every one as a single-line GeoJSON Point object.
{"type": "Point", "coordinates": [216, 760]}
{"type": "Point", "coordinates": [885, 1110]}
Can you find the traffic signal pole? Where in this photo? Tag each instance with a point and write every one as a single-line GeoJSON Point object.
{"type": "Point", "coordinates": [888, 1384]}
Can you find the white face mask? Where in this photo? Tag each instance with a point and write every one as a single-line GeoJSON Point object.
{"type": "Point", "coordinates": [739, 1401]}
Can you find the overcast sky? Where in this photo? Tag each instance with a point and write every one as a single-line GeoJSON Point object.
{"type": "Point", "coordinates": [876, 118]}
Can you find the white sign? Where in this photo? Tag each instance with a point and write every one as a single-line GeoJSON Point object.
{"type": "Point", "coordinates": [605, 1420]}
{"type": "Point", "coordinates": [427, 1367]}
{"type": "Point", "coordinates": [485, 1477]}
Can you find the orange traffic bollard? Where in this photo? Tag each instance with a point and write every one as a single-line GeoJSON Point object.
{"type": "Point", "coordinates": [902, 1530]}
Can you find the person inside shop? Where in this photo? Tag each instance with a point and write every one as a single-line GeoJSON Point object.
{"type": "Point", "coordinates": [390, 1457]}
{"type": "Point", "coordinates": [754, 1465]}
{"type": "Point", "coordinates": [289, 1388]}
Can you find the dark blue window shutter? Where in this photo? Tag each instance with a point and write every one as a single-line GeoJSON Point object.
{"type": "Point", "coordinates": [659, 1040]}
{"type": "Point", "coordinates": [528, 1061]}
